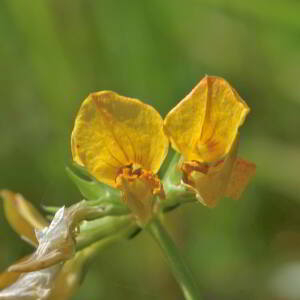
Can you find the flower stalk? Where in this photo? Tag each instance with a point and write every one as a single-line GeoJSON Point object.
{"type": "Point", "coordinates": [175, 261]}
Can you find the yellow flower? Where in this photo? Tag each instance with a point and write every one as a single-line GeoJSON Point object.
{"type": "Point", "coordinates": [121, 142]}
{"type": "Point", "coordinates": [203, 127]}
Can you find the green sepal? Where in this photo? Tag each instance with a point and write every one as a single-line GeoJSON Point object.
{"type": "Point", "coordinates": [91, 189]}
{"type": "Point", "coordinates": [173, 174]}
{"type": "Point", "coordinates": [176, 192]}
{"type": "Point", "coordinates": [50, 209]}
{"type": "Point", "coordinates": [93, 231]}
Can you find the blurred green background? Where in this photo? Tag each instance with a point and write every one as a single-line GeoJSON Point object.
{"type": "Point", "coordinates": [54, 53]}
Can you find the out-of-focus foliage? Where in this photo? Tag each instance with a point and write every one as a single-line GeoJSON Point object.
{"type": "Point", "coordinates": [54, 53]}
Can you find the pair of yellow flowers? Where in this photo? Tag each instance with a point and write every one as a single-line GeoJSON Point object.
{"type": "Point", "coordinates": [123, 142]}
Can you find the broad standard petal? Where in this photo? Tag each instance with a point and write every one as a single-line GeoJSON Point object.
{"type": "Point", "coordinates": [204, 125]}
{"type": "Point", "coordinates": [112, 131]}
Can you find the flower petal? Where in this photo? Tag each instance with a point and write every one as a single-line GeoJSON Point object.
{"type": "Point", "coordinates": [8, 278]}
{"type": "Point", "coordinates": [242, 172]}
{"type": "Point", "coordinates": [139, 198]}
{"type": "Point", "coordinates": [210, 185]}
{"type": "Point", "coordinates": [32, 286]}
{"type": "Point", "coordinates": [204, 125]}
{"type": "Point", "coordinates": [57, 241]}
{"type": "Point", "coordinates": [112, 131]}
{"type": "Point", "coordinates": [22, 215]}
{"type": "Point", "coordinates": [56, 244]}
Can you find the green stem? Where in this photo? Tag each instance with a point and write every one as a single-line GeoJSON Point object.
{"type": "Point", "coordinates": [178, 267]}
{"type": "Point", "coordinates": [103, 230]}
